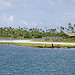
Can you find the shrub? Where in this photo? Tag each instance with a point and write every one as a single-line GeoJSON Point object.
{"type": "Point", "coordinates": [38, 35]}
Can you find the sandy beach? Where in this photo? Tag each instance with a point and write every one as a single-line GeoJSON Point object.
{"type": "Point", "coordinates": [30, 41]}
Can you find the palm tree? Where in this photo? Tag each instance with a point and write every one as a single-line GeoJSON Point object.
{"type": "Point", "coordinates": [61, 28]}
{"type": "Point", "coordinates": [74, 27]}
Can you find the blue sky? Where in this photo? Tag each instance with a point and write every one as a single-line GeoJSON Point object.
{"type": "Point", "coordinates": [37, 13]}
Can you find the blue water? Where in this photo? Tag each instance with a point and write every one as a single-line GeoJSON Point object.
{"type": "Point", "coordinates": [36, 38]}
{"type": "Point", "coordinates": [17, 60]}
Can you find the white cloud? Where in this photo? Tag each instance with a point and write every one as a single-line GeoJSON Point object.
{"type": "Point", "coordinates": [69, 17]}
{"type": "Point", "coordinates": [24, 22]}
{"type": "Point", "coordinates": [11, 18]}
{"type": "Point", "coordinates": [34, 23]}
{"type": "Point", "coordinates": [4, 5]}
{"type": "Point", "coordinates": [37, 23]}
{"type": "Point", "coordinates": [30, 24]}
{"type": "Point", "coordinates": [48, 2]}
{"type": "Point", "coordinates": [10, 21]}
{"type": "Point", "coordinates": [11, 4]}
{"type": "Point", "coordinates": [70, 13]}
{"type": "Point", "coordinates": [7, 20]}
{"type": "Point", "coordinates": [40, 23]}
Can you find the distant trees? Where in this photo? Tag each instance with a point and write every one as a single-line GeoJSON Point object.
{"type": "Point", "coordinates": [35, 32]}
{"type": "Point", "coordinates": [70, 28]}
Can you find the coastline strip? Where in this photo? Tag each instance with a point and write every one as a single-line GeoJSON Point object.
{"type": "Point", "coordinates": [30, 41]}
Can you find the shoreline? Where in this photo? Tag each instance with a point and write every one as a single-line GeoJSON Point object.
{"type": "Point", "coordinates": [30, 43]}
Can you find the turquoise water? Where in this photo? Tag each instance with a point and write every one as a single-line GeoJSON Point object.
{"type": "Point", "coordinates": [17, 60]}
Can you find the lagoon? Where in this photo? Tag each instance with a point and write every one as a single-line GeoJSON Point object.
{"type": "Point", "coordinates": [17, 60]}
{"type": "Point", "coordinates": [36, 38]}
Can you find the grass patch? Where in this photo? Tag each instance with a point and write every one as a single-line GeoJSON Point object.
{"type": "Point", "coordinates": [68, 40]}
{"type": "Point", "coordinates": [40, 45]}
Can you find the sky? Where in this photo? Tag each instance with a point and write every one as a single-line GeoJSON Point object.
{"type": "Point", "coordinates": [37, 13]}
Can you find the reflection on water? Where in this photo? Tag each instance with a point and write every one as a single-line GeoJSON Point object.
{"type": "Point", "coordinates": [16, 60]}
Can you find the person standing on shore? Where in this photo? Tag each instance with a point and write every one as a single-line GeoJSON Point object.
{"type": "Point", "coordinates": [52, 45]}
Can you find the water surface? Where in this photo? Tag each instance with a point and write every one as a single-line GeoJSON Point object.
{"type": "Point", "coordinates": [17, 60]}
{"type": "Point", "coordinates": [36, 38]}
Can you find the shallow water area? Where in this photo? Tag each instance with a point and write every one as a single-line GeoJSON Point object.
{"type": "Point", "coordinates": [17, 60]}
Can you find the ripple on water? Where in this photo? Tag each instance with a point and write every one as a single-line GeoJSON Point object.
{"type": "Point", "coordinates": [16, 60]}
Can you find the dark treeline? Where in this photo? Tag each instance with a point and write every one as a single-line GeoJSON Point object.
{"type": "Point", "coordinates": [35, 32]}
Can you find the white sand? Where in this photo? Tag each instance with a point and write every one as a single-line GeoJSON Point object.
{"type": "Point", "coordinates": [29, 41]}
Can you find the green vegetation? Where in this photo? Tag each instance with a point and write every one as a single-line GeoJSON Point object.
{"type": "Point", "coordinates": [69, 40]}
{"type": "Point", "coordinates": [40, 45]}
{"type": "Point", "coordinates": [35, 32]}
{"type": "Point", "coordinates": [9, 32]}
